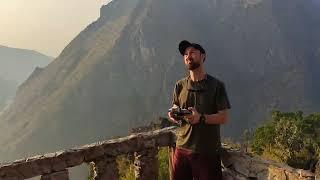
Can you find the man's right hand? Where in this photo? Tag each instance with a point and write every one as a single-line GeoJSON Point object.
{"type": "Point", "coordinates": [172, 117]}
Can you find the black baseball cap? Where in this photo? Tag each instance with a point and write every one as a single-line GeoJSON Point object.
{"type": "Point", "coordinates": [183, 45]}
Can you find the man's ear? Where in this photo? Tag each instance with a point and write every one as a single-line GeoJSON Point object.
{"type": "Point", "coordinates": [204, 57]}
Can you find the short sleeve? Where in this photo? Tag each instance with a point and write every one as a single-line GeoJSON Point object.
{"type": "Point", "coordinates": [222, 100]}
{"type": "Point", "coordinates": [175, 99]}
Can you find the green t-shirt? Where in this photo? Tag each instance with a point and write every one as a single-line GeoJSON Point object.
{"type": "Point", "coordinates": [208, 96]}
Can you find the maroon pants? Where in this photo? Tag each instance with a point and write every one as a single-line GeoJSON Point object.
{"type": "Point", "coordinates": [187, 165]}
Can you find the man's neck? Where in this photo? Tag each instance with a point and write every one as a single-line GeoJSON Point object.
{"type": "Point", "coordinates": [198, 74]}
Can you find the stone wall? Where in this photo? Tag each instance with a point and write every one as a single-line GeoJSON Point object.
{"type": "Point", "coordinates": [144, 147]}
{"type": "Point", "coordinates": [243, 166]}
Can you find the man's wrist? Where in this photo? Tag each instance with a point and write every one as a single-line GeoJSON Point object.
{"type": "Point", "coordinates": [202, 119]}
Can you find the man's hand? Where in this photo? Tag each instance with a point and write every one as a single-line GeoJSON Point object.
{"type": "Point", "coordinates": [171, 116]}
{"type": "Point", "coordinates": [193, 118]}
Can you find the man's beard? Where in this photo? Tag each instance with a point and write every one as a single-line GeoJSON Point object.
{"type": "Point", "coordinates": [193, 66]}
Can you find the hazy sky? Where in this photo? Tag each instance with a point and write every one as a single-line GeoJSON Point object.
{"type": "Point", "coordinates": [46, 26]}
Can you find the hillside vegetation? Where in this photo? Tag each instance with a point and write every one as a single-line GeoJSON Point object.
{"type": "Point", "coordinates": [291, 138]}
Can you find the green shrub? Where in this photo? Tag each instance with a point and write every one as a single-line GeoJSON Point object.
{"type": "Point", "coordinates": [163, 158]}
{"type": "Point", "coordinates": [91, 174]}
{"type": "Point", "coordinates": [289, 137]}
{"type": "Point", "coordinates": [126, 168]}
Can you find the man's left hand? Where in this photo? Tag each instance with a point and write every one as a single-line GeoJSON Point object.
{"type": "Point", "coordinates": [193, 118]}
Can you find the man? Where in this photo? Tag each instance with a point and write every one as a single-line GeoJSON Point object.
{"type": "Point", "coordinates": [198, 139]}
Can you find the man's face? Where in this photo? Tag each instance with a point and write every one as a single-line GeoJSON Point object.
{"type": "Point", "coordinates": [193, 58]}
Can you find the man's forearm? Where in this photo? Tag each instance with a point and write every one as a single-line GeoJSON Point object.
{"type": "Point", "coordinates": [219, 118]}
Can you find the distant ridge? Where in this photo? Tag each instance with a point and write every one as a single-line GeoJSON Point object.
{"type": "Point", "coordinates": [15, 67]}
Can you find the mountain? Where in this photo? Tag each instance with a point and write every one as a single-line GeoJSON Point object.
{"type": "Point", "coordinates": [6, 92]}
{"type": "Point", "coordinates": [15, 67]}
{"type": "Point", "coordinates": [119, 72]}
{"type": "Point", "coordinates": [17, 64]}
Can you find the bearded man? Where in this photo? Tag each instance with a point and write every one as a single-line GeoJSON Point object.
{"type": "Point", "coordinates": [198, 144]}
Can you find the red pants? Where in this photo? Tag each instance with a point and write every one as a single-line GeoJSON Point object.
{"type": "Point", "coordinates": [187, 165]}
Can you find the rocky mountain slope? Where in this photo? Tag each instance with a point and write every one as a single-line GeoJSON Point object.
{"type": "Point", "coordinates": [6, 92]}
